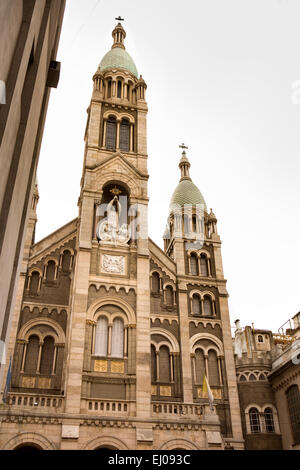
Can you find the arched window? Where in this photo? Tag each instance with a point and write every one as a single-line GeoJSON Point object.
{"type": "Point", "coordinates": [207, 305]}
{"type": "Point", "coordinates": [32, 354]}
{"type": "Point", "coordinates": [101, 337]}
{"type": "Point", "coordinates": [34, 282]}
{"type": "Point", "coordinates": [153, 364]}
{"type": "Point", "coordinates": [169, 296]}
{"type": "Point", "coordinates": [269, 420]}
{"type": "Point", "coordinates": [119, 90]}
{"type": "Point", "coordinates": [111, 133]}
{"type": "Point", "coordinates": [254, 420]}
{"type": "Point", "coordinates": [260, 339]}
{"type": "Point", "coordinates": [124, 135]}
{"type": "Point", "coordinates": [213, 368]}
{"type": "Point", "coordinates": [50, 274]}
{"type": "Point", "coordinates": [66, 260]}
{"type": "Point", "coordinates": [199, 365]}
{"type": "Point", "coordinates": [164, 364]}
{"type": "Point", "coordinates": [196, 303]}
{"type": "Point", "coordinates": [203, 265]}
{"type": "Point", "coordinates": [155, 283]}
{"type": "Point", "coordinates": [194, 264]}
{"type": "Point", "coordinates": [109, 89]}
{"type": "Point", "coordinates": [262, 377]}
{"type": "Point", "coordinates": [252, 377]}
{"type": "Point", "coordinates": [117, 338]}
{"type": "Point", "coordinates": [47, 356]}
{"type": "Point", "coordinates": [194, 223]}
{"type": "Point", "coordinates": [293, 400]}
{"type": "Point", "coordinates": [242, 378]}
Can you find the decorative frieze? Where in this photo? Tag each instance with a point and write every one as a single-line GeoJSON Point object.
{"type": "Point", "coordinates": [113, 264]}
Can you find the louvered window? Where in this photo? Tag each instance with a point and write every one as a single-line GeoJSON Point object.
{"type": "Point", "coordinates": [203, 265]}
{"type": "Point", "coordinates": [32, 354]}
{"type": "Point", "coordinates": [293, 399]}
{"type": "Point", "coordinates": [200, 365]}
{"type": "Point", "coordinates": [254, 420]}
{"type": "Point", "coordinates": [47, 356]}
{"type": "Point", "coordinates": [101, 337]}
{"type": "Point", "coordinates": [213, 368]}
{"type": "Point", "coordinates": [194, 265]}
{"type": "Point", "coordinates": [111, 133]}
{"type": "Point", "coordinates": [164, 364]}
{"type": "Point", "coordinates": [196, 305]}
{"type": "Point", "coordinates": [117, 341]}
{"type": "Point", "coordinates": [124, 135]}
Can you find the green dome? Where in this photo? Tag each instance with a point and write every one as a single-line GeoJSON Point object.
{"type": "Point", "coordinates": [120, 59]}
{"type": "Point", "coordinates": [187, 192]}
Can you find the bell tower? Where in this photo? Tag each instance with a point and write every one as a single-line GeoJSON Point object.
{"type": "Point", "coordinates": [111, 279]}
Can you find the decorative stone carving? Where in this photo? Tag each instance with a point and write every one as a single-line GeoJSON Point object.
{"type": "Point", "coordinates": [165, 390]}
{"type": "Point", "coordinates": [28, 382]}
{"type": "Point", "coordinates": [109, 229]}
{"type": "Point", "coordinates": [117, 367]}
{"type": "Point", "coordinates": [100, 365]}
{"type": "Point", "coordinates": [70, 431]}
{"type": "Point", "coordinates": [113, 264]}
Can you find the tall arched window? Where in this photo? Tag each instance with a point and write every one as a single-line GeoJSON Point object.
{"type": "Point", "coordinates": [155, 283]}
{"type": "Point", "coordinates": [194, 223]}
{"type": "Point", "coordinates": [119, 90]}
{"type": "Point", "coordinates": [207, 304]}
{"type": "Point", "coordinates": [199, 365]}
{"type": "Point", "coordinates": [153, 364]}
{"type": "Point", "coordinates": [269, 420]}
{"type": "Point", "coordinates": [124, 135]}
{"type": "Point", "coordinates": [111, 133]}
{"type": "Point", "coordinates": [254, 420]}
{"type": "Point", "coordinates": [34, 282]}
{"type": "Point", "coordinates": [169, 296]}
{"type": "Point", "coordinates": [213, 370]}
{"type": "Point", "coordinates": [196, 304]}
{"type": "Point", "coordinates": [47, 356]}
{"type": "Point", "coordinates": [32, 354]}
{"type": "Point", "coordinates": [109, 89]}
{"type": "Point", "coordinates": [194, 264]}
{"type": "Point", "coordinates": [164, 364]}
{"type": "Point", "coordinates": [66, 260]}
{"type": "Point", "coordinates": [203, 265]}
{"type": "Point", "coordinates": [293, 399]}
{"type": "Point", "coordinates": [50, 274]}
{"type": "Point", "coordinates": [117, 338]}
{"type": "Point", "coordinates": [101, 337]}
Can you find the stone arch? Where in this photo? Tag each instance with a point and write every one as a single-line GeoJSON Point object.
{"type": "Point", "coordinates": [171, 338]}
{"type": "Point", "coordinates": [119, 175]}
{"type": "Point", "coordinates": [42, 321]}
{"type": "Point", "coordinates": [29, 438]}
{"type": "Point", "coordinates": [122, 304]}
{"type": "Point", "coordinates": [194, 339]}
{"type": "Point", "coordinates": [105, 441]}
{"type": "Point", "coordinates": [179, 444]}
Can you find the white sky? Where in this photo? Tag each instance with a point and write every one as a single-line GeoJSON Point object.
{"type": "Point", "coordinates": [223, 77]}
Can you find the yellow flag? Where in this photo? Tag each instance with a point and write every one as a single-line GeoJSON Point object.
{"type": "Point", "coordinates": [206, 389]}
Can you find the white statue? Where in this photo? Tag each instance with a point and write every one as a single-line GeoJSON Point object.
{"type": "Point", "coordinates": [109, 229]}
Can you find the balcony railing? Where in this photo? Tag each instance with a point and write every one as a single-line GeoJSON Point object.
{"type": "Point", "coordinates": [40, 402]}
{"type": "Point", "coordinates": [175, 410]}
{"type": "Point", "coordinates": [108, 407]}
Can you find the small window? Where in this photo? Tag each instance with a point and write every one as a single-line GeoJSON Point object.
{"type": "Point", "coordinates": [50, 276]}
{"type": "Point", "coordinates": [124, 135]}
{"type": "Point", "coordinates": [111, 133]}
{"type": "Point", "coordinates": [196, 303]}
{"type": "Point", "coordinates": [119, 91]}
{"type": "Point", "coordinates": [194, 223]}
{"type": "Point", "coordinates": [260, 339]}
{"type": "Point", "coordinates": [207, 305]}
{"type": "Point", "coordinates": [66, 260]}
{"type": "Point", "coordinates": [32, 353]}
{"type": "Point", "coordinates": [155, 283]}
{"type": "Point", "coordinates": [47, 356]}
{"type": "Point", "coordinates": [194, 265]}
{"type": "Point", "coordinates": [117, 338]}
{"type": "Point", "coordinates": [101, 337]}
{"type": "Point", "coordinates": [252, 377]}
{"type": "Point", "coordinates": [34, 282]}
{"type": "Point", "coordinates": [109, 89]}
{"type": "Point", "coordinates": [169, 296]}
{"type": "Point", "coordinates": [164, 364]}
{"type": "Point", "coordinates": [254, 420]}
{"type": "Point", "coordinates": [242, 378]}
{"type": "Point", "coordinates": [203, 265]}
{"type": "Point", "coordinates": [269, 420]}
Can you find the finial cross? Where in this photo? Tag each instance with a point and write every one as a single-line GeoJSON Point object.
{"type": "Point", "coordinates": [182, 146]}
{"type": "Point", "coordinates": [119, 18]}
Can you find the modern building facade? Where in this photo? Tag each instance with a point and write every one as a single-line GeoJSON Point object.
{"type": "Point", "coordinates": [29, 36]}
{"type": "Point", "coordinates": [112, 336]}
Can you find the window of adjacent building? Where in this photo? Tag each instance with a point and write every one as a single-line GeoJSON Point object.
{"type": "Point", "coordinates": [269, 420]}
{"type": "Point", "coordinates": [155, 283]}
{"type": "Point", "coordinates": [47, 356]}
{"type": "Point", "coordinates": [32, 354]}
{"type": "Point", "coordinates": [196, 304]}
{"type": "Point", "coordinates": [124, 135]}
{"type": "Point", "coordinates": [207, 305]}
{"type": "Point", "coordinates": [194, 265]}
{"type": "Point", "coordinates": [101, 337]}
{"type": "Point", "coordinates": [293, 399]}
{"type": "Point", "coordinates": [203, 265]}
{"type": "Point", "coordinates": [117, 338]}
{"type": "Point", "coordinates": [34, 282]}
{"type": "Point", "coordinates": [164, 364]}
{"type": "Point", "coordinates": [50, 274]}
{"type": "Point", "coordinates": [111, 133]}
{"type": "Point", "coordinates": [254, 420]}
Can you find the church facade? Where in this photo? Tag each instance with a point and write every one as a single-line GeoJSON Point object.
{"type": "Point", "coordinates": [111, 335]}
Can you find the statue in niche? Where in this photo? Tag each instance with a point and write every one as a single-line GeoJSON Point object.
{"type": "Point", "coordinates": [109, 229]}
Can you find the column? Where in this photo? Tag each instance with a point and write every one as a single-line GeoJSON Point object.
{"type": "Point", "coordinates": [206, 368]}
{"type": "Point", "coordinates": [109, 339]}
{"type": "Point", "coordinates": [39, 358]}
{"type": "Point", "coordinates": [131, 138]}
{"type": "Point", "coordinates": [157, 365]}
{"type": "Point", "coordinates": [54, 360]}
{"type": "Point", "coordinates": [171, 367]}
{"type": "Point", "coordinates": [104, 132]}
{"type": "Point", "coordinates": [24, 356]}
{"type": "Point", "coordinates": [118, 134]}
{"type": "Point", "coordinates": [220, 371]}
{"type": "Point", "coordinates": [125, 340]}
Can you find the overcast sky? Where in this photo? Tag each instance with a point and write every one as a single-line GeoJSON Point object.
{"type": "Point", "coordinates": [223, 77]}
